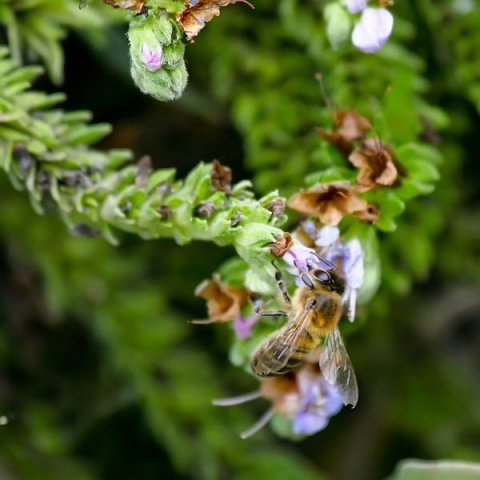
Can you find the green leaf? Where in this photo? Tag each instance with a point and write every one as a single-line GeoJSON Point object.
{"type": "Point", "coordinates": [439, 470]}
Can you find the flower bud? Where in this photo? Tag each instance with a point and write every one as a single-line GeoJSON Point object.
{"type": "Point", "coordinates": [338, 24]}
{"type": "Point", "coordinates": [157, 56]}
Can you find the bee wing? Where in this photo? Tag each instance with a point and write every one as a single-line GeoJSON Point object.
{"type": "Point", "coordinates": [286, 347]}
{"type": "Point", "coordinates": [337, 367]}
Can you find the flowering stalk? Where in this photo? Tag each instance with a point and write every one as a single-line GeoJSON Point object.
{"type": "Point", "coordinates": [46, 154]}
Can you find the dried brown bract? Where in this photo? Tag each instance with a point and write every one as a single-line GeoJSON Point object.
{"type": "Point", "coordinates": [329, 201]}
{"type": "Point", "coordinates": [164, 211]}
{"type": "Point", "coordinates": [281, 245]}
{"type": "Point", "coordinates": [348, 126]}
{"type": "Point", "coordinates": [223, 301]}
{"type": "Point", "coordinates": [144, 166]}
{"type": "Point", "coordinates": [376, 163]}
{"type": "Point", "coordinates": [204, 209]}
{"type": "Point", "coordinates": [198, 13]}
{"type": "Point", "coordinates": [134, 5]}
{"type": "Point", "coordinates": [277, 207]}
{"type": "Point", "coordinates": [221, 177]}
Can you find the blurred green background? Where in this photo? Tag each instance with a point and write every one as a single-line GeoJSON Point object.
{"type": "Point", "coordinates": [101, 376]}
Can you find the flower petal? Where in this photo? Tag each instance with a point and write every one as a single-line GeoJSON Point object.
{"type": "Point", "coordinates": [373, 29]}
{"type": "Point", "coordinates": [309, 423]}
{"type": "Point", "coordinates": [355, 6]}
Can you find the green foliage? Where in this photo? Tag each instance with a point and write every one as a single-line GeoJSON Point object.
{"type": "Point", "coordinates": [415, 470]}
{"type": "Point", "coordinates": [36, 28]}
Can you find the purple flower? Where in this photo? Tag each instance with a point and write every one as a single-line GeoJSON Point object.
{"type": "Point", "coordinates": [243, 326]}
{"type": "Point", "coordinates": [297, 257]}
{"type": "Point", "coordinates": [152, 57]}
{"type": "Point", "coordinates": [327, 236]}
{"type": "Point", "coordinates": [373, 29]}
{"type": "Point", "coordinates": [350, 255]}
{"type": "Point", "coordinates": [319, 401]}
{"type": "Point", "coordinates": [355, 6]}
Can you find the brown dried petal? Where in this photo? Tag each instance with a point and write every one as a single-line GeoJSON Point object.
{"type": "Point", "coordinates": [194, 17]}
{"type": "Point", "coordinates": [348, 126]}
{"type": "Point", "coordinates": [281, 245]}
{"type": "Point", "coordinates": [223, 300]}
{"type": "Point", "coordinates": [328, 201]}
{"type": "Point", "coordinates": [277, 207]}
{"type": "Point", "coordinates": [370, 214]}
{"type": "Point", "coordinates": [134, 5]}
{"type": "Point", "coordinates": [221, 177]}
{"type": "Point", "coordinates": [376, 163]}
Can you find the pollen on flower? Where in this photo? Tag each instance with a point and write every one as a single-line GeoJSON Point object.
{"type": "Point", "coordinates": [151, 57]}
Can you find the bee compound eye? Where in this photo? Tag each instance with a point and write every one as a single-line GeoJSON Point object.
{"type": "Point", "coordinates": [322, 276]}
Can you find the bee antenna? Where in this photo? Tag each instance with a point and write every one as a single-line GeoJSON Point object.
{"type": "Point", "coordinates": [325, 261]}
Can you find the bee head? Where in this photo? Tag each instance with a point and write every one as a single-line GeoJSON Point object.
{"type": "Point", "coordinates": [331, 279]}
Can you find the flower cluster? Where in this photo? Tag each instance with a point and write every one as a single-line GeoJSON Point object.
{"type": "Point", "coordinates": [376, 164]}
{"type": "Point", "coordinates": [303, 396]}
{"type": "Point", "coordinates": [374, 27]}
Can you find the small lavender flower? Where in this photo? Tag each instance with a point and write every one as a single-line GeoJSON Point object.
{"type": "Point", "coordinates": [298, 256]}
{"type": "Point", "coordinates": [242, 326]}
{"type": "Point", "coordinates": [319, 401]}
{"type": "Point", "coordinates": [305, 397]}
{"type": "Point", "coordinates": [373, 29]}
{"type": "Point", "coordinates": [355, 6]}
{"type": "Point", "coordinates": [351, 256]}
{"type": "Point", "coordinates": [151, 57]}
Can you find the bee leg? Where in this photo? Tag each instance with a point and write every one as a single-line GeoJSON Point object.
{"type": "Point", "coordinates": [257, 303]}
{"type": "Point", "coordinates": [281, 284]}
{"type": "Point", "coordinates": [274, 313]}
{"type": "Point", "coordinates": [304, 277]}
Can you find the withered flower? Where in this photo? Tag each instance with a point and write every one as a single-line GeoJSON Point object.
{"type": "Point", "coordinates": [281, 245]}
{"type": "Point", "coordinates": [134, 5]}
{"type": "Point", "coordinates": [348, 126]}
{"type": "Point", "coordinates": [197, 13]}
{"type": "Point", "coordinates": [221, 177]}
{"type": "Point", "coordinates": [376, 163]}
{"type": "Point", "coordinates": [370, 214]}
{"type": "Point", "coordinates": [329, 201]}
{"type": "Point", "coordinates": [223, 301]}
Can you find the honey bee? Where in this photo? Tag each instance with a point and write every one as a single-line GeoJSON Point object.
{"type": "Point", "coordinates": [313, 314]}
